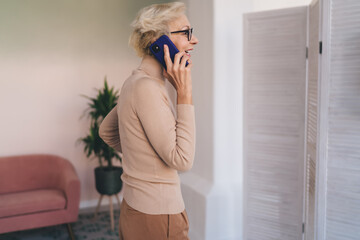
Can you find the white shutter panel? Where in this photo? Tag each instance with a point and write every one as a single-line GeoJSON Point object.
{"type": "Point", "coordinates": [342, 115]}
{"type": "Point", "coordinates": [274, 119]}
{"type": "Point", "coordinates": [312, 118]}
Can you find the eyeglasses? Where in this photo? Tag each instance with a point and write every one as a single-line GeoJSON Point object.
{"type": "Point", "coordinates": [188, 32]}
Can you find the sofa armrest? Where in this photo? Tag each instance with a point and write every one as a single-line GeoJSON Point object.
{"type": "Point", "coordinates": [69, 183]}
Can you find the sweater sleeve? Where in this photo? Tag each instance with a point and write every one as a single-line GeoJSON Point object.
{"type": "Point", "coordinates": [109, 130]}
{"type": "Point", "coordinates": [172, 139]}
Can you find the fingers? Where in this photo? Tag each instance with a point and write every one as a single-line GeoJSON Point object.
{"type": "Point", "coordinates": [177, 73]}
{"type": "Point", "coordinates": [183, 61]}
{"type": "Point", "coordinates": [189, 66]}
{"type": "Point", "coordinates": [177, 58]}
{"type": "Point", "coordinates": [178, 66]}
{"type": "Point", "coordinates": [167, 58]}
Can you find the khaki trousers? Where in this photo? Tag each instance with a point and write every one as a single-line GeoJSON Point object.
{"type": "Point", "coordinates": [135, 225]}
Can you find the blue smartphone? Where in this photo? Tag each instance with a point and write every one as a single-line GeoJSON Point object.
{"type": "Point", "coordinates": [157, 48]}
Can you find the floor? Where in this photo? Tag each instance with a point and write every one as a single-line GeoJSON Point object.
{"type": "Point", "coordinates": [84, 228]}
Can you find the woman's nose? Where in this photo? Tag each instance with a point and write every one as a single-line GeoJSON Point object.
{"type": "Point", "coordinates": [194, 40]}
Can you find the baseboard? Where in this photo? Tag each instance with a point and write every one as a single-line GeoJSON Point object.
{"type": "Point", "coordinates": [215, 210]}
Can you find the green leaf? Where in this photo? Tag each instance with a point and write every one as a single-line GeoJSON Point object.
{"type": "Point", "coordinates": [98, 107]}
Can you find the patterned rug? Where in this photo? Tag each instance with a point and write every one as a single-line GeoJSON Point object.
{"type": "Point", "coordinates": [84, 228]}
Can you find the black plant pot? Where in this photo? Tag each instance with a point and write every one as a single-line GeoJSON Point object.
{"type": "Point", "coordinates": [107, 180]}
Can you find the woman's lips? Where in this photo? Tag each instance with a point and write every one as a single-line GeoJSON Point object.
{"type": "Point", "coordinates": [187, 52]}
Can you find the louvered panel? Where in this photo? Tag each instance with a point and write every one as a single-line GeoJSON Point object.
{"type": "Point", "coordinates": [343, 172]}
{"type": "Point", "coordinates": [312, 119]}
{"type": "Point", "coordinates": [274, 119]}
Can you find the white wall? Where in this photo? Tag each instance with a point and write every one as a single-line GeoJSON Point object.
{"type": "Point", "coordinates": [212, 189]}
{"type": "Point", "coordinates": [51, 52]}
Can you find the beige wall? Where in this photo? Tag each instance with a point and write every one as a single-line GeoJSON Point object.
{"type": "Point", "coordinates": [51, 52]}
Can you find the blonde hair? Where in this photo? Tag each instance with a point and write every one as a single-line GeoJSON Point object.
{"type": "Point", "coordinates": [152, 22]}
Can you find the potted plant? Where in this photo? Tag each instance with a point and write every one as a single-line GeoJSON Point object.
{"type": "Point", "coordinates": [107, 176]}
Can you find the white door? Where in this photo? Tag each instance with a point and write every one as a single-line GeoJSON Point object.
{"type": "Point", "coordinates": [339, 123]}
{"type": "Point", "coordinates": [274, 123]}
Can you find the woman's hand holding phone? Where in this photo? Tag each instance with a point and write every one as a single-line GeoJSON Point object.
{"type": "Point", "coordinates": [179, 75]}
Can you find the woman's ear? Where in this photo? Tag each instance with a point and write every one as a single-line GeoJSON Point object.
{"type": "Point", "coordinates": [153, 40]}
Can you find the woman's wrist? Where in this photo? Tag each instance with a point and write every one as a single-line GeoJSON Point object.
{"type": "Point", "coordinates": [184, 99]}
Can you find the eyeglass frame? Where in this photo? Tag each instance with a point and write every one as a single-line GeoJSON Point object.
{"type": "Point", "coordinates": [189, 31]}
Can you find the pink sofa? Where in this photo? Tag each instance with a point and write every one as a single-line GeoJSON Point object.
{"type": "Point", "coordinates": [37, 191]}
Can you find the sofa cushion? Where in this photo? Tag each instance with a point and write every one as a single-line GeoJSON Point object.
{"type": "Point", "coordinates": [19, 203]}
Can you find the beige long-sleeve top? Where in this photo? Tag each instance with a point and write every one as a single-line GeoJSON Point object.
{"type": "Point", "coordinates": [156, 140]}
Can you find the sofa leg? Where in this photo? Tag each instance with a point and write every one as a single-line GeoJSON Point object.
{"type": "Point", "coordinates": [71, 234]}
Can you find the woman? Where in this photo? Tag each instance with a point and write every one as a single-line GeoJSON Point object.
{"type": "Point", "coordinates": [156, 138]}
